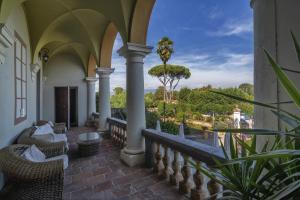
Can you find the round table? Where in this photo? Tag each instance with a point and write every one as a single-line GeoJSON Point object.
{"type": "Point", "coordinates": [88, 143]}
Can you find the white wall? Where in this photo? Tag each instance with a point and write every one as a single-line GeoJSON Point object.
{"type": "Point", "coordinates": [8, 130]}
{"type": "Point", "coordinates": [273, 20]}
{"type": "Point", "coordinates": [64, 70]}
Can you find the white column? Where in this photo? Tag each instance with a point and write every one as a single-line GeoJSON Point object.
{"type": "Point", "coordinates": [133, 153]}
{"type": "Point", "coordinates": [104, 96]}
{"type": "Point", "coordinates": [91, 81]}
{"type": "Point", "coordinates": [273, 21]}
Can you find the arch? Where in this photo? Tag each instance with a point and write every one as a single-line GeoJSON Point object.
{"type": "Point", "coordinates": [92, 65]}
{"type": "Point", "coordinates": [140, 21]}
{"type": "Point", "coordinates": [107, 45]}
{"type": "Point", "coordinates": [78, 49]}
{"type": "Point", "coordinates": [52, 32]}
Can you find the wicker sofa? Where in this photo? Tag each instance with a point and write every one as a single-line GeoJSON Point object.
{"type": "Point", "coordinates": [32, 180]}
{"type": "Point", "coordinates": [25, 138]}
{"type": "Point", "coordinates": [58, 127]}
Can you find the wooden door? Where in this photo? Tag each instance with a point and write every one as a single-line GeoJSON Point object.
{"type": "Point", "coordinates": [62, 104]}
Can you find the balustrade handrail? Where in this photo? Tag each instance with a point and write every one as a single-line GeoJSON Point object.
{"type": "Point", "coordinates": [196, 150]}
{"type": "Point", "coordinates": [119, 122]}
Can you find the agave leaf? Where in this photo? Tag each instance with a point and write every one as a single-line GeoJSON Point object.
{"type": "Point", "coordinates": [286, 191]}
{"type": "Point", "coordinates": [283, 102]}
{"type": "Point", "coordinates": [284, 80]}
{"type": "Point", "coordinates": [290, 121]}
{"type": "Point", "coordinates": [282, 153]}
{"type": "Point", "coordinates": [297, 47]}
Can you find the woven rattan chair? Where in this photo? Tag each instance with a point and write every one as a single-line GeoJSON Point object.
{"type": "Point", "coordinates": [31, 180]}
{"type": "Point", "coordinates": [58, 127]}
{"type": "Point", "coordinates": [55, 147]}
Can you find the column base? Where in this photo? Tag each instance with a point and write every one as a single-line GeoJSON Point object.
{"type": "Point", "coordinates": [132, 159]}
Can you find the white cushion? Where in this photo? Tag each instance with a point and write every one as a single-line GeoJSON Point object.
{"type": "Point", "coordinates": [42, 130]}
{"type": "Point", "coordinates": [63, 157]}
{"type": "Point", "coordinates": [34, 154]}
{"type": "Point", "coordinates": [51, 123]}
{"type": "Point", "coordinates": [61, 138]}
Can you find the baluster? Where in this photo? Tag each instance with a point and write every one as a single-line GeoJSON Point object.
{"type": "Point", "coordinates": [123, 137]}
{"type": "Point", "coordinates": [119, 136]}
{"type": "Point", "coordinates": [187, 183]}
{"type": "Point", "coordinates": [176, 177]}
{"type": "Point", "coordinates": [113, 133]}
{"type": "Point", "coordinates": [159, 166]}
{"type": "Point", "coordinates": [213, 187]}
{"type": "Point", "coordinates": [167, 170]}
{"type": "Point", "coordinates": [197, 193]}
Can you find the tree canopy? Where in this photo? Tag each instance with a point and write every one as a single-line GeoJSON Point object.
{"type": "Point", "coordinates": [169, 76]}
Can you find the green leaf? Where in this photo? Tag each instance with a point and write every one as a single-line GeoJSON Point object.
{"type": "Point", "coordinates": [296, 45]}
{"type": "Point", "coordinates": [283, 153]}
{"type": "Point", "coordinates": [284, 80]}
{"type": "Point", "coordinates": [290, 121]}
{"type": "Point", "coordinates": [286, 191]}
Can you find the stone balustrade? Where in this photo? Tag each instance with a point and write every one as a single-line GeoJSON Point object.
{"type": "Point", "coordinates": [171, 156]}
{"type": "Point", "coordinates": [118, 131]}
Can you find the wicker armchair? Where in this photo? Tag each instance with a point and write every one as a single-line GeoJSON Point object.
{"type": "Point", "coordinates": [56, 148]}
{"type": "Point", "coordinates": [31, 180]}
{"type": "Point", "coordinates": [58, 127]}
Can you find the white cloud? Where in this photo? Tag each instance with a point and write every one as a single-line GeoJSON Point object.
{"type": "Point", "coordinates": [233, 28]}
{"type": "Point", "coordinates": [221, 69]}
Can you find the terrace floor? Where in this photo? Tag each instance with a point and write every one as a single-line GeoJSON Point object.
{"type": "Point", "coordinates": [105, 177]}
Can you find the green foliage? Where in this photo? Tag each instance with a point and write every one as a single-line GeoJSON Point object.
{"type": "Point", "coordinates": [159, 94]}
{"type": "Point", "coordinates": [151, 119]}
{"type": "Point", "coordinates": [206, 102]}
{"type": "Point", "coordinates": [184, 95]}
{"type": "Point", "coordinates": [272, 174]}
{"type": "Point", "coordinates": [169, 76]}
{"type": "Point", "coordinates": [170, 127]}
{"type": "Point", "coordinates": [118, 100]}
{"type": "Point", "coordinates": [172, 71]}
{"type": "Point", "coordinates": [118, 90]}
{"type": "Point", "coordinates": [247, 88]}
{"type": "Point", "coordinates": [165, 49]}
{"type": "Point", "coordinates": [149, 100]}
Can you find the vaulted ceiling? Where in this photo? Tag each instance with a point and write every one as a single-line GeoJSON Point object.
{"type": "Point", "coordinates": [84, 27]}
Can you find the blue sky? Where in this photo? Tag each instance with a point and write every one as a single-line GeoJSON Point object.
{"type": "Point", "coordinates": [213, 38]}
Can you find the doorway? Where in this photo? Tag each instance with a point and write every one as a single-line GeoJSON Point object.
{"type": "Point", "coordinates": [66, 105]}
{"type": "Point", "coordinates": [73, 107]}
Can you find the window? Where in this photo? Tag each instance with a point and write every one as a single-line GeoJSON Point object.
{"type": "Point", "coordinates": [20, 80]}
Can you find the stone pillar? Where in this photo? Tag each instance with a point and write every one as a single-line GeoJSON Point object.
{"type": "Point", "coordinates": [91, 81]}
{"type": "Point", "coordinates": [273, 21]}
{"type": "Point", "coordinates": [104, 96]}
{"type": "Point", "coordinates": [133, 153]}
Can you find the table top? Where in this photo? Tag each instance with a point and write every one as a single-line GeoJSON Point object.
{"type": "Point", "coordinates": [91, 137]}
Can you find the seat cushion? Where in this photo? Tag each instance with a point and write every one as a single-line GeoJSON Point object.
{"type": "Point", "coordinates": [42, 130]}
{"type": "Point", "coordinates": [63, 157]}
{"type": "Point", "coordinates": [33, 154]}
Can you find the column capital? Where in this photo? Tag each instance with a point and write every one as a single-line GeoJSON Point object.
{"type": "Point", "coordinates": [91, 79]}
{"type": "Point", "coordinates": [134, 48]}
{"type": "Point", "coordinates": [104, 71]}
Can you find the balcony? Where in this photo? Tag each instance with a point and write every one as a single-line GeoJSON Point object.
{"type": "Point", "coordinates": [166, 173]}
{"type": "Point", "coordinates": [104, 176]}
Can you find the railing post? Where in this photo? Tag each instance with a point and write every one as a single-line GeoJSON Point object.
{"type": "Point", "coordinates": [149, 153]}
